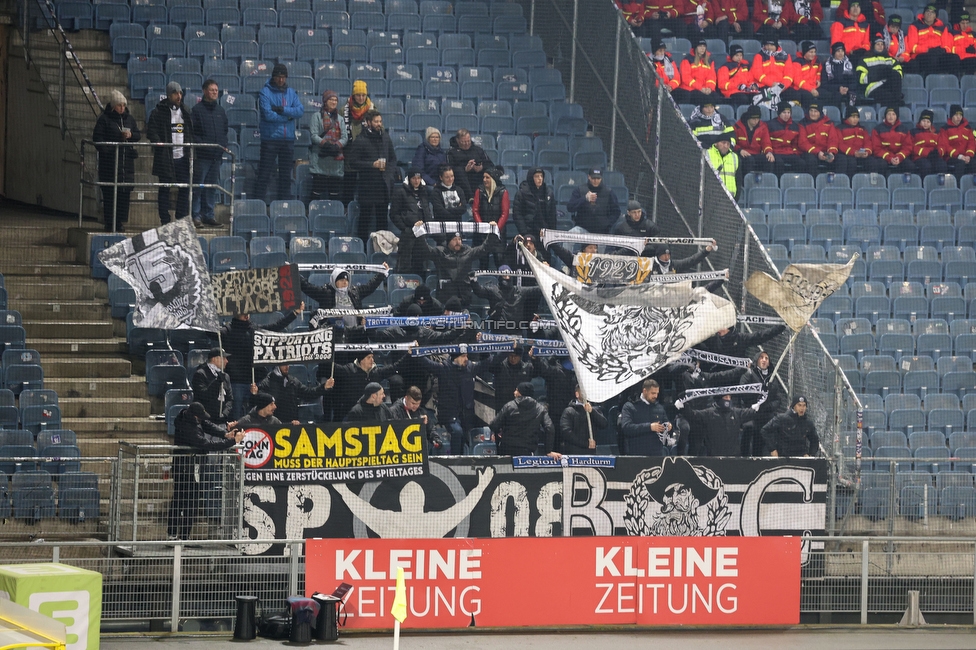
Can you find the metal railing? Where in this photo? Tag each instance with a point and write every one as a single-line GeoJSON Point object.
{"type": "Point", "coordinates": [173, 583]}
{"type": "Point", "coordinates": [89, 146]}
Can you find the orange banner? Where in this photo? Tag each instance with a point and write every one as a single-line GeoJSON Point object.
{"type": "Point", "coordinates": [516, 582]}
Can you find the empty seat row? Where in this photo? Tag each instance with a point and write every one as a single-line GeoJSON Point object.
{"type": "Point", "coordinates": [31, 496]}
{"type": "Point", "coordinates": [840, 199]}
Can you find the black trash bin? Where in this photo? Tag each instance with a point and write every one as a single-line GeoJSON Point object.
{"type": "Point", "coordinates": [303, 614]}
{"type": "Point", "coordinates": [245, 626]}
{"type": "Point", "coordinates": [327, 622]}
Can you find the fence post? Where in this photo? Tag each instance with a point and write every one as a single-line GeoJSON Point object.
{"type": "Point", "coordinates": [61, 94]}
{"type": "Point", "coordinates": [532, 18]}
{"type": "Point", "coordinates": [572, 56]}
{"type": "Point", "coordinates": [701, 194]}
{"type": "Point", "coordinates": [657, 148]}
{"type": "Point", "coordinates": [616, 86]}
{"type": "Point", "coordinates": [865, 565]}
{"type": "Point", "coordinates": [56, 555]}
{"type": "Point", "coordinates": [293, 562]}
{"type": "Point", "coordinates": [135, 496]}
{"type": "Point", "coordinates": [174, 624]}
{"type": "Point", "coordinates": [974, 585]}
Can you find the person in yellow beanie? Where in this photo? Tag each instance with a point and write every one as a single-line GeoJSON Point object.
{"type": "Point", "coordinates": [353, 112]}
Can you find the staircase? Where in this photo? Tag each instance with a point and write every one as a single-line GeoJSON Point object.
{"type": "Point", "coordinates": [67, 319]}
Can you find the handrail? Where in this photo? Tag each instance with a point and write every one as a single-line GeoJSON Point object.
{"type": "Point", "coordinates": [115, 184]}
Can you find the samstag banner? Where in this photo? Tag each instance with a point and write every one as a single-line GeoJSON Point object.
{"type": "Point", "coordinates": [256, 291]}
{"type": "Point", "coordinates": [331, 452]}
{"type": "Point", "coordinates": [603, 581]}
{"type": "Point", "coordinates": [275, 348]}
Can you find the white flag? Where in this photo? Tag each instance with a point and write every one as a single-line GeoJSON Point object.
{"type": "Point", "coordinates": [166, 269]}
{"type": "Point", "coordinates": [801, 291]}
{"type": "Point", "coordinates": [618, 335]}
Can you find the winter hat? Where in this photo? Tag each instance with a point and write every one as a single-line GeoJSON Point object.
{"type": "Point", "coordinates": [955, 108]}
{"type": "Point", "coordinates": [431, 130]}
{"type": "Point", "coordinates": [197, 409]}
{"type": "Point", "coordinates": [504, 268]}
{"type": "Point", "coordinates": [751, 112]}
{"type": "Point", "coordinates": [706, 102]}
{"type": "Point", "coordinates": [455, 355]}
{"type": "Point", "coordinates": [371, 389]}
{"type": "Point", "coordinates": [854, 2]}
{"type": "Point", "coordinates": [359, 87]}
{"type": "Point", "coordinates": [329, 94]}
{"type": "Point", "coordinates": [799, 399]}
{"type": "Point", "coordinates": [534, 171]}
{"type": "Point", "coordinates": [454, 305]}
{"type": "Point", "coordinates": [890, 109]}
{"type": "Point", "coordinates": [837, 46]}
{"type": "Point", "coordinates": [735, 49]}
{"type": "Point", "coordinates": [422, 292]}
{"type": "Point", "coordinates": [658, 45]}
{"type": "Point", "coordinates": [496, 173]}
{"type": "Point", "coordinates": [769, 40]}
{"type": "Point", "coordinates": [634, 205]}
{"type": "Point", "coordinates": [783, 106]}
{"type": "Point", "coordinates": [964, 16]}
{"type": "Point", "coordinates": [877, 38]}
{"type": "Point", "coordinates": [414, 171]}
{"type": "Point", "coordinates": [806, 46]}
{"type": "Point", "coordinates": [414, 311]}
{"type": "Point", "coordinates": [815, 106]}
{"type": "Point", "coordinates": [725, 136]}
{"type": "Point", "coordinates": [362, 354]}
{"type": "Point", "coordinates": [931, 7]}
{"type": "Point", "coordinates": [339, 274]}
{"type": "Point", "coordinates": [215, 352]}
{"type": "Point", "coordinates": [279, 70]}
{"type": "Point", "coordinates": [115, 98]}
{"type": "Point", "coordinates": [174, 87]}
{"type": "Point", "coordinates": [851, 110]}
{"type": "Point", "coordinates": [661, 249]}
{"type": "Point", "coordinates": [700, 41]}
{"type": "Point", "coordinates": [894, 21]}
{"type": "Point", "coordinates": [261, 400]}
{"type": "Point", "coordinates": [526, 389]}
{"type": "Point", "coordinates": [926, 115]}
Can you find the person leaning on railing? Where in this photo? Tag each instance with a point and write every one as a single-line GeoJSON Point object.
{"type": "Point", "coordinates": [116, 124]}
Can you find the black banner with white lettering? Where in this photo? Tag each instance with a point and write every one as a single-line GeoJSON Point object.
{"type": "Point", "coordinates": [256, 291]}
{"type": "Point", "coordinates": [487, 497]}
{"type": "Point", "coordinates": [275, 348]}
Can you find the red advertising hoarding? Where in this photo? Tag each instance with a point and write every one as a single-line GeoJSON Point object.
{"type": "Point", "coordinates": [517, 582]}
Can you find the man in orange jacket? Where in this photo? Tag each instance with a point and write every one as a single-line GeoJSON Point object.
{"type": "Point", "coordinates": [772, 65]}
{"type": "Point", "coordinates": [964, 44]}
{"type": "Point", "coordinates": [929, 44]}
{"type": "Point", "coordinates": [735, 80]}
{"type": "Point", "coordinates": [892, 143]}
{"type": "Point", "coordinates": [855, 148]}
{"type": "Point", "coordinates": [851, 29]}
{"type": "Point", "coordinates": [960, 143]}
{"type": "Point", "coordinates": [894, 37]}
{"type": "Point", "coordinates": [661, 18]}
{"type": "Point", "coordinates": [928, 146]}
{"type": "Point", "coordinates": [806, 75]}
{"type": "Point", "coordinates": [818, 140]}
{"type": "Point", "coordinates": [665, 65]}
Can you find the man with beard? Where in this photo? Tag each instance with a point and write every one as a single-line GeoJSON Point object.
{"type": "Point", "coordinates": [455, 394]}
{"type": "Point", "coordinates": [663, 264]}
{"type": "Point", "coordinates": [633, 223]}
{"type": "Point", "coordinates": [645, 426]}
{"type": "Point", "coordinates": [771, 404]}
{"type": "Point", "coordinates": [506, 302]}
{"type": "Point", "coordinates": [721, 424]}
{"type": "Point", "coordinates": [370, 407]}
{"type": "Point", "coordinates": [454, 263]}
{"type": "Point", "coordinates": [468, 161]}
{"type": "Point", "coordinates": [518, 425]}
{"type": "Point", "coordinates": [372, 157]}
{"type": "Point", "coordinates": [351, 380]}
{"type": "Point", "coordinates": [410, 204]}
{"type": "Point", "coordinates": [261, 416]}
{"type": "Point", "coordinates": [792, 433]}
{"type": "Point", "coordinates": [595, 206]}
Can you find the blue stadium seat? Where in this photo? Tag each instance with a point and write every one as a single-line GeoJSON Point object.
{"type": "Point", "coordinates": [33, 496]}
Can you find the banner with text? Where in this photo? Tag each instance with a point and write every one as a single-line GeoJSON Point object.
{"type": "Point", "coordinates": [275, 348]}
{"type": "Point", "coordinates": [256, 291]}
{"type": "Point", "coordinates": [331, 452]}
{"type": "Point", "coordinates": [488, 497]}
{"type": "Point", "coordinates": [645, 581]}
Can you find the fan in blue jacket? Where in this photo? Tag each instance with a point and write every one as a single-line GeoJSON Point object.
{"type": "Point", "coordinates": [280, 108]}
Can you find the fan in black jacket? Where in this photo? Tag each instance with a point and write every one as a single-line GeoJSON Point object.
{"type": "Point", "coordinates": [721, 424]}
{"type": "Point", "coordinates": [171, 164]}
{"type": "Point", "coordinates": [522, 424]}
{"type": "Point", "coordinates": [410, 204]}
{"type": "Point", "coordinates": [372, 156]}
{"type": "Point", "coordinates": [774, 404]}
{"type": "Point", "coordinates": [211, 386]}
{"type": "Point", "coordinates": [792, 433]}
{"type": "Point", "coordinates": [454, 262]}
{"type": "Point", "coordinates": [289, 393]}
{"type": "Point", "coordinates": [370, 407]}
{"type": "Point", "coordinates": [575, 427]}
{"type": "Point", "coordinates": [534, 207]}
{"type": "Point", "coordinates": [115, 124]}
{"type": "Point", "coordinates": [734, 343]}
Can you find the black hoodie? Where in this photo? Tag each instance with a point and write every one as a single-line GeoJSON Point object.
{"type": "Point", "coordinates": [534, 207]}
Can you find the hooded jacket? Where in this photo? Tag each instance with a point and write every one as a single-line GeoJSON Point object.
{"type": "Point", "coordinates": [594, 217]}
{"type": "Point", "coordinates": [203, 436]}
{"type": "Point", "coordinates": [253, 419]}
{"type": "Point", "coordinates": [371, 145]}
{"type": "Point", "coordinates": [837, 73]}
{"type": "Point", "coordinates": [889, 140]}
{"type": "Point", "coordinates": [736, 343]}
{"type": "Point", "coordinates": [508, 376]}
{"type": "Point", "coordinates": [852, 32]}
{"type": "Point", "coordinates": [521, 425]}
{"type": "Point", "coordinates": [159, 128]}
{"type": "Point", "coordinates": [455, 392]}
{"type": "Point", "coordinates": [775, 395]}
{"type": "Point", "coordinates": [788, 434]}
{"type": "Point", "coordinates": [212, 389]}
{"type": "Point", "coordinates": [350, 384]}
{"type": "Point", "coordinates": [923, 38]}
{"type": "Point", "coordinates": [448, 203]}
{"type": "Point", "coordinates": [574, 429]}
{"type": "Point", "coordinates": [700, 75]}
{"type": "Point", "coordinates": [429, 159]}
{"type": "Point", "coordinates": [430, 306]}
{"type": "Point", "coordinates": [635, 426]}
{"type": "Point", "coordinates": [851, 139]}
{"type": "Point", "coordinates": [209, 125]}
{"type": "Point", "coordinates": [959, 140]}
{"type": "Point", "coordinates": [272, 125]}
{"type": "Point", "coordinates": [755, 142]}
{"type": "Point", "coordinates": [963, 43]}
{"type": "Point", "coordinates": [491, 203]}
{"type": "Point", "coordinates": [326, 295]}
{"type": "Point", "coordinates": [818, 136]}
{"type": "Point", "coordinates": [625, 226]}
{"type": "Point", "coordinates": [507, 303]}
{"type": "Point", "coordinates": [408, 206]}
{"type": "Point", "coordinates": [108, 128]}
{"type": "Point", "coordinates": [453, 267]}
{"type": "Point", "coordinates": [769, 69]}
{"type": "Point", "coordinates": [926, 142]}
{"type": "Point", "coordinates": [734, 77]}
{"type": "Point", "coordinates": [667, 69]}
{"type": "Point", "coordinates": [806, 74]}
{"type": "Point", "coordinates": [534, 207]}
{"type": "Point", "coordinates": [875, 69]}
{"type": "Point", "coordinates": [289, 393]}
{"type": "Point", "coordinates": [784, 136]}
{"type": "Point", "coordinates": [238, 341]}
{"type": "Point", "coordinates": [720, 426]}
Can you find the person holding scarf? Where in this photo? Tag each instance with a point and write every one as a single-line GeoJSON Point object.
{"type": "Point", "coordinates": [807, 15]}
{"type": "Point", "coordinates": [352, 114]}
{"type": "Point", "coordinates": [665, 66]}
{"type": "Point", "coordinates": [410, 204]}
{"type": "Point", "coordinates": [329, 136]}
{"type": "Point", "coordinates": [770, 18]}
{"type": "Point", "coordinates": [772, 405]}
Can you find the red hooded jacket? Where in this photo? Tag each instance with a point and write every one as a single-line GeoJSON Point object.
{"type": "Point", "coordinates": [852, 139]}
{"type": "Point", "coordinates": [760, 13]}
{"type": "Point", "coordinates": [890, 140]}
{"type": "Point", "coordinates": [925, 141]}
{"type": "Point", "coordinates": [879, 12]}
{"type": "Point", "coordinates": [819, 136]}
{"type": "Point", "coordinates": [695, 76]}
{"type": "Point", "coordinates": [958, 140]}
{"type": "Point", "coordinates": [731, 75]}
{"type": "Point", "coordinates": [771, 69]}
{"type": "Point", "coordinates": [669, 8]}
{"type": "Point", "coordinates": [806, 75]}
{"type": "Point", "coordinates": [754, 143]}
{"type": "Point", "coordinates": [675, 79]}
{"type": "Point", "coordinates": [961, 42]}
{"type": "Point", "coordinates": [853, 33]}
{"type": "Point", "coordinates": [736, 11]}
{"type": "Point", "coordinates": [921, 37]}
{"type": "Point", "coordinates": [784, 136]}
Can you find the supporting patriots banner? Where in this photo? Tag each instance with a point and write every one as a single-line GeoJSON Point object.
{"type": "Point", "coordinates": [469, 496]}
{"type": "Point", "coordinates": [276, 348]}
{"type": "Point", "coordinates": [617, 336]}
{"type": "Point", "coordinates": [257, 291]}
{"type": "Point", "coordinates": [801, 290]}
{"type": "Point", "coordinates": [166, 269]}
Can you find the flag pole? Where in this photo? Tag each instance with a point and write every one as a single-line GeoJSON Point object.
{"type": "Point", "coordinates": [785, 351]}
{"type": "Point", "coordinates": [396, 634]}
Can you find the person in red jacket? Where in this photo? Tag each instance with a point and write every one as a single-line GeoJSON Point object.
{"type": "Point", "coordinates": [960, 143]}
{"type": "Point", "coordinates": [661, 18]}
{"type": "Point", "coordinates": [491, 205]}
{"type": "Point", "coordinates": [752, 142]}
{"type": "Point", "coordinates": [964, 44]}
{"type": "Point", "coordinates": [735, 80]}
{"type": "Point", "coordinates": [892, 143]}
{"type": "Point", "coordinates": [734, 14]}
{"type": "Point", "coordinates": [929, 44]}
{"type": "Point", "coordinates": [784, 136]}
{"type": "Point", "coordinates": [854, 147]}
{"type": "Point", "coordinates": [894, 38]}
{"type": "Point", "coordinates": [633, 13]}
{"type": "Point", "coordinates": [818, 139]}
{"type": "Point", "coordinates": [772, 65]}
{"type": "Point", "coordinates": [771, 18]}
{"type": "Point", "coordinates": [806, 19]}
{"type": "Point", "coordinates": [852, 30]}
{"type": "Point", "coordinates": [699, 17]}
{"type": "Point", "coordinates": [928, 146]}
{"type": "Point", "coordinates": [806, 75]}
{"type": "Point", "coordinates": [698, 77]}
{"type": "Point", "coordinates": [871, 9]}
{"type": "Point", "coordinates": [665, 66]}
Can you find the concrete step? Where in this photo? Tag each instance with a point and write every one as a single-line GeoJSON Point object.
{"type": "Point", "coordinates": [107, 444]}
{"type": "Point", "coordinates": [84, 328]}
{"type": "Point", "coordinates": [38, 252]}
{"type": "Point", "coordinates": [98, 387]}
{"type": "Point", "coordinates": [37, 233]}
{"type": "Point", "coordinates": [103, 407]}
{"type": "Point", "coordinates": [128, 426]}
{"type": "Point", "coordinates": [25, 267]}
{"type": "Point", "coordinates": [67, 288]}
{"type": "Point", "coordinates": [65, 367]}
{"type": "Point", "coordinates": [39, 310]}
{"type": "Point", "coordinates": [82, 347]}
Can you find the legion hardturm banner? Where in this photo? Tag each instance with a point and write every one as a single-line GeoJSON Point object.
{"type": "Point", "coordinates": [327, 452]}
{"type": "Point", "coordinates": [257, 291]}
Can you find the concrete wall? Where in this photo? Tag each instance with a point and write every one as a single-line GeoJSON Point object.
{"type": "Point", "coordinates": [41, 167]}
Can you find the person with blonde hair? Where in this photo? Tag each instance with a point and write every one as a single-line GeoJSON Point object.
{"type": "Point", "coordinates": [116, 124]}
